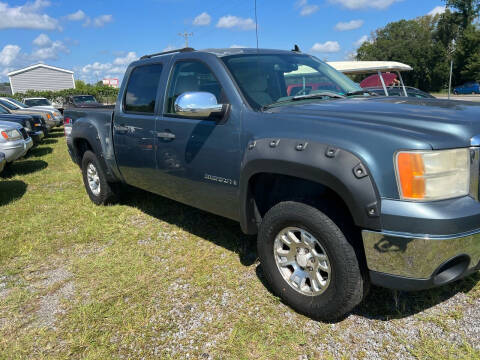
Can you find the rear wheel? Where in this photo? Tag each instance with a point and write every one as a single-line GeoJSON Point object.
{"type": "Point", "coordinates": [308, 261]}
{"type": "Point", "coordinates": [95, 181]}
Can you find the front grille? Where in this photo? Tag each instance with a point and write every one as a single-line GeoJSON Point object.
{"type": "Point", "coordinates": [24, 133]}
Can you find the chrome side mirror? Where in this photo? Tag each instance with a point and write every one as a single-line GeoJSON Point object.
{"type": "Point", "coordinates": [198, 105]}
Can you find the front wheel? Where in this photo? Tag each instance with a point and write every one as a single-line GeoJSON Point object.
{"type": "Point", "coordinates": [308, 261]}
{"type": "Point", "coordinates": [95, 181]}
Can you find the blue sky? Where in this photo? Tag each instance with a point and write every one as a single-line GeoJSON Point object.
{"type": "Point", "coordinates": [98, 38]}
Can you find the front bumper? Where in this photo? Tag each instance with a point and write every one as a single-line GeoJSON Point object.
{"type": "Point", "coordinates": [14, 150]}
{"type": "Point", "coordinates": [440, 243]}
{"type": "Point", "coordinates": [36, 136]}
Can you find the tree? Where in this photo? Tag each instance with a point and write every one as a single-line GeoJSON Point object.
{"type": "Point", "coordinates": [411, 42]}
{"type": "Point", "coordinates": [467, 11]}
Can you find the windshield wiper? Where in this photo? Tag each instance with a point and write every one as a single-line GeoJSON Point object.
{"type": "Point", "coordinates": [319, 95]}
{"type": "Point", "coordinates": [361, 92]}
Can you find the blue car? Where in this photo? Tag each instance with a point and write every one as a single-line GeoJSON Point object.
{"type": "Point", "coordinates": [472, 87]}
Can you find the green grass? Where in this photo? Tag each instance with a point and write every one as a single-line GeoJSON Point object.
{"type": "Point", "coordinates": [151, 278]}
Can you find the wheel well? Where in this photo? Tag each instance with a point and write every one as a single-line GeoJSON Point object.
{"type": "Point", "coordinates": [81, 146]}
{"type": "Point", "coordinates": [268, 189]}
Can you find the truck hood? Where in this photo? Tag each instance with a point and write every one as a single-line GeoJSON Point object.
{"type": "Point", "coordinates": [6, 125]}
{"type": "Point", "coordinates": [14, 117]}
{"type": "Point", "coordinates": [441, 123]}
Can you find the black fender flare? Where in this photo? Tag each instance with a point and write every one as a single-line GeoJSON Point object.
{"type": "Point", "coordinates": [85, 130]}
{"type": "Point", "coordinates": [330, 166]}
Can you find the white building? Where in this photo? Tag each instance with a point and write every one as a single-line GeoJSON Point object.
{"type": "Point", "coordinates": [41, 77]}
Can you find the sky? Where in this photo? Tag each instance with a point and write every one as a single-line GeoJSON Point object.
{"type": "Point", "coordinates": [98, 38]}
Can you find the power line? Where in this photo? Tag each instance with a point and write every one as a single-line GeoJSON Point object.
{"type": "Point", "coordinates": [256, 23]}
{"type": "Point", "coordinates": [186, 35]}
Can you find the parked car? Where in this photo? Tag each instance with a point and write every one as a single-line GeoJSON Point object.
{"type": "Point", "coordinates": [472, 87]}
{"type": "Point", "coordinates": [14, 141]}
{"type": "Point", "coordinates": [42, 103]}
{"type": "Point", "coordinates": [46, 115]}
{"type": "Point", "coordinates": [3, 161]}
{"type": "Point", "coordinates": [81, 101]}
{"type": "Point", "coordinates": [398, 91]}
{"type": "Point", "coordinates": [33, 125]}
{"type": "Point", "coordinates": [342, 190]}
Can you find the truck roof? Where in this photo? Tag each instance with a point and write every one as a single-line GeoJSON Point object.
{"type": "Point", "coordinates": [217, 52]}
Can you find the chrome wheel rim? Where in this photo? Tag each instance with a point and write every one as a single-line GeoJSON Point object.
{"type": "Point", "coordinates": [302, 261]}
{"type": "Point", "coordinates": [93, 179]}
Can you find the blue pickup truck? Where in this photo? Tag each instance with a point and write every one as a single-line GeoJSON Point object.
{"type": "Point", "coordinates": [343, 189]}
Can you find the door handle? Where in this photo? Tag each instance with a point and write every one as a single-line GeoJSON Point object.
{"type": "Point", "coordinates": [121, 129]}
{"type": "Point", "coordinates": [166, 135]}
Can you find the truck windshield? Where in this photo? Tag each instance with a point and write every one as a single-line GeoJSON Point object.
{"type": "Point", "coordinates": [269, 79]}
{"type": "Point", "coordinates": [8, 105]}
{"type": "Point", "coordinates": [84, 99]}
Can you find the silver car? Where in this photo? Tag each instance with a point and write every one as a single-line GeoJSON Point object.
{"type": "Point", "coordinates": [14, 141]}
{"type": "Point", "coordinates": [3, 161]}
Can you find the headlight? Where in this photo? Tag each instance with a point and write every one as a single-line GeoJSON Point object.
{"type": "Point", "coordinates": [49, 116]}
{"type": "Point", "coordinates": [11, 135]}
{"type": "Point", "coordinates": [433, 175]}
{"type": "Point", "coordinates": [28, 126]}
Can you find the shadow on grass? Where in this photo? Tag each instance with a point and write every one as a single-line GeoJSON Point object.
{"type": "Point", "coordinates": [11, 191]}
{"type": "Point", "coordinates": [55, 134]}
{"type": "Point", "coordinates": [49, 141]}
{"type": "Point", "coordinates": [220, 231]}
{"type": "Point", "coordinates": [385, 304]}
{"type": "Point", "coordinates": [23, 168]}
{"type": "Point", "coordinates": [380, 304]}
{"type": "Point", "coordinates": [39, 151]}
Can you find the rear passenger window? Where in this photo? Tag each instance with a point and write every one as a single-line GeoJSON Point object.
{"type": "Point", "coordinates": [142, 89]}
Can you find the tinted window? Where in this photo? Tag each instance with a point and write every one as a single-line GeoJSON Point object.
{"type": "Point", "coordinates": [3, 111]}
{"type": "Point", "coordinates": [142, 89]}
{"type": "Point", "coordinates": [37, 102]}
{"type": "Point", "coordinates": [192, 76]}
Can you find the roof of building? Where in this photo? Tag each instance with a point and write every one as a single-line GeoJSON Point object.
{"type": "Point", "coordinates": [31, 67]}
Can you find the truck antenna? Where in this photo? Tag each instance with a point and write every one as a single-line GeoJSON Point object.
{"type": "Point", "coordinates": [256, 23]}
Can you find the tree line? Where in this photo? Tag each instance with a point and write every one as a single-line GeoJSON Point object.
{"type": "Point", "coordinates": [429, 43]}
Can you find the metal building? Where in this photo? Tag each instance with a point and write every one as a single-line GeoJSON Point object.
{"type": "Point", "coordinates": [41, 77]}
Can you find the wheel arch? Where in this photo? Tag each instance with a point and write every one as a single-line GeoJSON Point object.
{"type": "Point", "coordinates": [316, 166]}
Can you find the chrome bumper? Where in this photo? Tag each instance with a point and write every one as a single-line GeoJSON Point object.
{"type": "Point", "coordinates": [419, 257]}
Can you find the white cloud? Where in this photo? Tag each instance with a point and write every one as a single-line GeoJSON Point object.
{"type": "Point", "coordinates": [326, 47]}
{"type": "Point", "coordinates": [76, 16]}
{"type": "Point", "coordinates": [42, 40]}
{"type": "Point", "coordinates": [98, 70]}
{"type": "Point", "coordinates": [98, 21]}
{"type": "Point", "coordinates": [350, 25]}
{"type": "Point", "coordinates": [26, 16]}
{"type": "Point", "coordinates": [363, 4]}
{"type": "Point", "coordinates": [230, 21]}
{"type": "Point", "coordinates": [306, 8]}
{"type": "Point", "coordinates": [360, 41]}
{"type": "Point", "coordinates": [438, 10]}
{"type": "Point", "coordinates": [202, 20]}
{"type": "Point", "coordinates": [49, 52]}
{"type": "Point", "coordinates": [235, 46]}
{"type": "Point", "coordinates": [170, 48]}
{"type": "Point", "coordinates": [8, 54]}
{"type": "Point", "coordinates": [127, 59]}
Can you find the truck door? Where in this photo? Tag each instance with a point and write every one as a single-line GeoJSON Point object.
{"type": "Point", "coordinates": [199, 159]}
{"type": "Point", "coordinates": [134, 127]}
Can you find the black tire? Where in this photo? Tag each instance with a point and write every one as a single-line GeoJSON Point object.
{"type": "Point", "coordinates": [348, 285]}
{"type": "Point", "coordinates": [106, 195]}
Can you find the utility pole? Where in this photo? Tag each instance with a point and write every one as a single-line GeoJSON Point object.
{"type": "Point", "coordinates": [186, 35]}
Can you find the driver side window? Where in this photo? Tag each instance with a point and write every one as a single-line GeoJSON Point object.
{"type": "Point", "coordinates": [192, 76]}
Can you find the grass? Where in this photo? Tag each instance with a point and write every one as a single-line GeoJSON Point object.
{"type": "Point", "coordinates": [151, 278]}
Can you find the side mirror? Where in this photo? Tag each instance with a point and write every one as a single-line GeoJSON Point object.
{"type": "Point", "coordinates": [198, 105]}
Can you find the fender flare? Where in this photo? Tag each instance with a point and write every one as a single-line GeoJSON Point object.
{"type": "Point", "coordinates": [85, 130]}
{"type": "Point", "coordinates": [327, 165]}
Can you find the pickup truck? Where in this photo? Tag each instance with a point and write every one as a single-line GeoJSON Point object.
{"type": "Point", "coordinates": [343, 189]}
